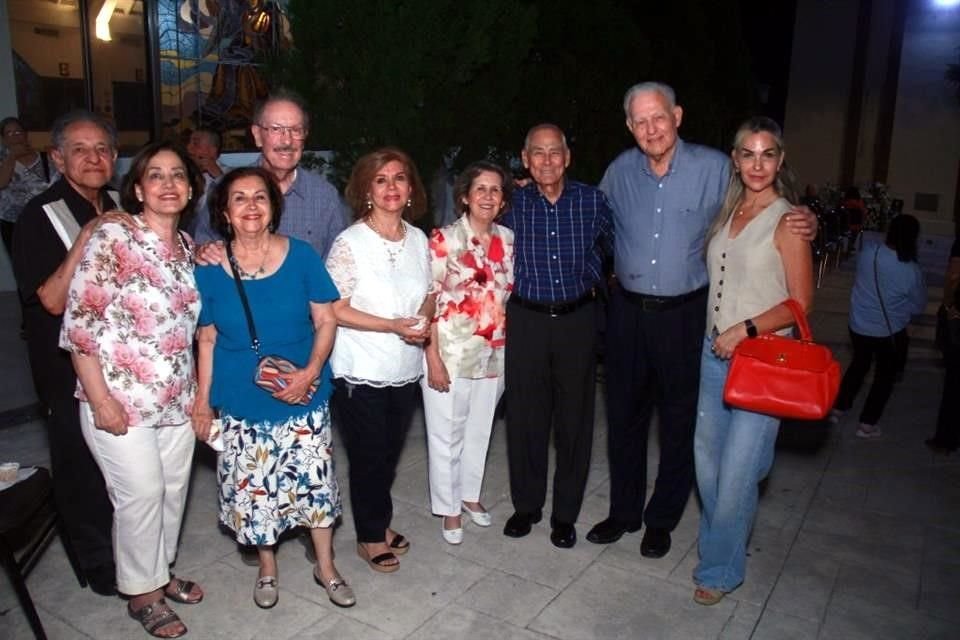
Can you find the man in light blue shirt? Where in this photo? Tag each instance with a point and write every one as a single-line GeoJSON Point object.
{"type": "Point", "coordinates": [312, 208]}
{"type": "Point", "coordinates": [665, 194]}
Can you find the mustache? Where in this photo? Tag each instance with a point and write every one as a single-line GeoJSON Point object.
{"type": "Point", "coordinates": [285, 148]}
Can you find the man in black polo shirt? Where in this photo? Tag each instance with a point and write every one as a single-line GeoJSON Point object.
{"type": "Point", "coordinates": [47, 246]}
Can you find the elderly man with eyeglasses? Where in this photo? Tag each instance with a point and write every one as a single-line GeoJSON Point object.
{"type": "Point", "coordinates": [312, 209]}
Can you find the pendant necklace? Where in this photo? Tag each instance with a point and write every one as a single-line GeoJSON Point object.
{"type": "Point", "coordinates": [254, 274]}
{"type": "Point", "coordinates": [393, 253]}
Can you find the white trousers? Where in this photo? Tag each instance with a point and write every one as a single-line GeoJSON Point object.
{"type": "Point", "coordinates": [147, 472]}
{"type": "Point", "coordinates": [459, 422]}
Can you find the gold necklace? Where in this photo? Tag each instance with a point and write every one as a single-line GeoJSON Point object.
{"type": "Point", "coordinates": [393, 253]}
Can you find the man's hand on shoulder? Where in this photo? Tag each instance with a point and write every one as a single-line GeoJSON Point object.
{"type": "Point", "coordinates": [802, 221]}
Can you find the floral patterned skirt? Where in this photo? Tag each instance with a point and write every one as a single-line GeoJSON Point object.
{"type": "Point", "coordinates": [277, 476]}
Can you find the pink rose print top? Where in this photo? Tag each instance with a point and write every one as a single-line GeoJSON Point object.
{"type": "Point", "coordinates": [135, 307]}
{"type": "Point", "coordinates": [473, 286]}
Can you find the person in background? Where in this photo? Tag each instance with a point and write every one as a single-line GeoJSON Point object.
{"type": "Point", "coordinates": [204, 147]}
{"type": "Point", "coordinates": [888, 289]}
{"type": "Point", "coordinates": [381, 267]}
{"type": "Point", "coordinates": [472, 264]}
{"type": "Point", "coordinates": [947, 436]}
{"type": "Point", "coordinates": [131, 314]}
{"type": "Point", "coordinates": [276, 472]}
{"type": "Point", "coordinates": [24, 173]}
{"type": "Point", "coordinates": [755, 263]}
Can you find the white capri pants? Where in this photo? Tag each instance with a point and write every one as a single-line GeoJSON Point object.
{"type": "Point", "coordinates": [459, 423]}
{"type": "Point", "coordinates": [147, 472]}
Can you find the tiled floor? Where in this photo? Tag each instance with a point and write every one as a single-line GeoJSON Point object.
{"type": "Point", "coordinates": [854, 539]}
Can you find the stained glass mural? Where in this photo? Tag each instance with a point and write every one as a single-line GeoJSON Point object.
{"type": "Point", "coordinates": [210, 53]}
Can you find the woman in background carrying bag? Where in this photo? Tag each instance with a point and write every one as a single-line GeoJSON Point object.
{"type": "Point", "coordinates": [755, 264]}
{"type": "Point", "coordinates": [878, 323]}
{"type": "Point", "coordinates": [276, 471]}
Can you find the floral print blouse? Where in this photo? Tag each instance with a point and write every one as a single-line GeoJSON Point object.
{"type": "Point", "coordinates": [135, 306]}
{"type": "Point", "coordinates": [474, 285]}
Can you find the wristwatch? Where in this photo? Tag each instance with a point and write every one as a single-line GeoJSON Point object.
{"type": "Point", "coordinates": [751, 328]}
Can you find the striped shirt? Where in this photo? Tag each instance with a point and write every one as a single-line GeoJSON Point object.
{"type": "Point", "coordinates": [559, 248]}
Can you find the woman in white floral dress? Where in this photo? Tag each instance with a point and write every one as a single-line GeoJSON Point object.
{"type": "Point", "coordinates": [472, 265]}
{"type": "Point", "coordinates": [129, 323]}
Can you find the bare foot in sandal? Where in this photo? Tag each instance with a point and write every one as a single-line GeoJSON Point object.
{"type": "Point", "coordinates": [156, 616]}
{"type": "Point", "coordinates": [379, 556]}
{"type": "Point", "coordinates": [183, 591]}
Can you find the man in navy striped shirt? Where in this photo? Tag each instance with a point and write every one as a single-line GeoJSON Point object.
{"type": "Point", "coordinates": [562, 230]}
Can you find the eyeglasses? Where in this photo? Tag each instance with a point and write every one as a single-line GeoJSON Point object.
{"type": "Point", "coordinates": [298, 132]}
{"type": "Point", "coordinates": [14, 132]}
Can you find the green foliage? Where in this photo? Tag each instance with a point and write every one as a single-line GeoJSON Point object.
{"type": "Point", "coordinates": [424, 75]}
{"type": "Point", "coordinates": [434, 75]}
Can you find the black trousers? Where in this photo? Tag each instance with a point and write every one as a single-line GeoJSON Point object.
{"type": "Point", "coordinates": [78, 486]}
{"type": "Point", "coordinates": [550, 373]}
{"type": "Point", "coordinates": [374, 423]}
{"type": "Point", "coordinates": [948, 420]}
{"type": "Point", "coordinates": [653, 362]}
{"type": "Point", "coordinates": [888, 355]}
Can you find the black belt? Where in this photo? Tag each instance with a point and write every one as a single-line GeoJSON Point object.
{"type": "Point", "coordinates": [661, 303]}
{"type": "Point", "coordinates": [553, 309]}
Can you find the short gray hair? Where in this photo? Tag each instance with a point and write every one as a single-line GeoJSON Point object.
{"type": "Point", "coordinates": [541, 126]}
{"type": "Point", "coordinates": [282, 95]}
{"type": "Point", "coordinates": [64, 122]}
{"type": "Point", "coordinates": [647, 87]}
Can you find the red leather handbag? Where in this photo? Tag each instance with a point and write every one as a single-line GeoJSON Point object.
{"type": "Point", "coordinates": [782, 376]}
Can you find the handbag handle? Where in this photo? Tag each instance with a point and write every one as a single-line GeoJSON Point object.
{"type": "Point", "coordinates": [800, 317]}
{"type": "Point", "coordinates": [254, 341]}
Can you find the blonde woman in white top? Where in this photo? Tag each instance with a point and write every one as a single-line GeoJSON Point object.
{"type": "Point", "coordinates": [381, 267]}
{"type": "Point", "coordinates": [755, 263]}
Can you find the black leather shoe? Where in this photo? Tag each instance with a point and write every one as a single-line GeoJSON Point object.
{"type": "Point", "coordinates": [610, 530]}
{"type": "Point", "coordinates": [563, 535]}
{"type": "Point", "coordinates": [102, 579]}
{"type": "Point", "coordinates": [519, 524]}
{"type": "Point", "coordinates": [655, 543]}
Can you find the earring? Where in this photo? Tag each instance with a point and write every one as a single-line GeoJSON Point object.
{"type": "Point", "coordinates": [369, 203]}
{"type": "Point", "coordinates": [409, 203]}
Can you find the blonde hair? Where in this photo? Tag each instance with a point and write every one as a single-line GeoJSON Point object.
{"type": "Point", "coordinates": [784, 183]}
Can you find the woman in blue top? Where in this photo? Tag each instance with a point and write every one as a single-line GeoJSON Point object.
{"type": "Point", "coordinates": [276, 471]}
{"type": "Point", "coordinates": [878, 324]}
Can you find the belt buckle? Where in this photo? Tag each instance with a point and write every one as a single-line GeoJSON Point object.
{"type": "Point", "coordinates": [552, 310]}
{"type": "Point", "coordinates": [651, 304]}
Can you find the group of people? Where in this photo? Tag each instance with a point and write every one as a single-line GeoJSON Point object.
{"type": "Point", "coordinates": [297, 314]}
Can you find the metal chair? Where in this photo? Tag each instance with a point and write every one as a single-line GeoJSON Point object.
{"type": "Point", "coordinates": [28, 521]}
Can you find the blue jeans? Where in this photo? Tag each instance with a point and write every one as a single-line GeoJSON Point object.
{"type": "Point", "coordinates": [733, 452]}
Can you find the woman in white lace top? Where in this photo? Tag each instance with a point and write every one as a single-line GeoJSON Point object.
{"type": "Point", "coordinates": [381, 267]}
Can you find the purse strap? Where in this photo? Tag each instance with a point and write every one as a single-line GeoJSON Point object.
{"type": "Point", "coordinates": [254, 341]}
{"type": "Point", "coordinates": [800, 317]}
{"type": "Point", "coordinates": [876, 283]}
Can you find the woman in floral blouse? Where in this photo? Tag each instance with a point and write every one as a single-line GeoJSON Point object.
{"type": "Point", "coordinates": [129, 324]}
{"type": "Point", "coordinates": [472, 265]}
